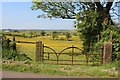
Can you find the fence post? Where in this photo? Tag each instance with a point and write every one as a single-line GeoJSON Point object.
{"type": "Point", "coordinates": [14, 44]}
{"type": "Point", "coordinates": [42, 52]}
{"type": "Point", "coordinates": [107, 52]}
{"type": "Point", "coordinates": [48, 56]}
{"type": "Point", "coordinates": [57, 59]}
{"type": "Point", "coordinates": [72, 53]}
{"type": "Point", "coordinates": [39, 51]}
{"type": "Point", "coordinates": [87, 58]}
{"type": "Point", "coordinates": [8, 43]}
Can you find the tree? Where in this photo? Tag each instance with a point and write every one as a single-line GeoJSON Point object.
{"type": "Point", "coordinates": [42, 33]}
{"type": "Point", "coordinates": [68, 36]}
{"type": "Point", "coordinates": [31, 33]}
{"type": "Point", "coordinates": [92, 18]}
{"type": "Point", "coordinates": [54, 35]}
{"type": "Point", "coordinates": [23, 35]}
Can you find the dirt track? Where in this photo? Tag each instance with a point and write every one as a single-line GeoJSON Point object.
{"type": "Point", "coordinates": [11, 74]}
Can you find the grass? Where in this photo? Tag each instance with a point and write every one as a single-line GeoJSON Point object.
{"type": "Point", "coordinates": [104, 71]}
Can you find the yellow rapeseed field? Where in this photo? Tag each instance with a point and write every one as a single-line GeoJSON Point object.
{"type": "Point", "coordinates": [57, 45]}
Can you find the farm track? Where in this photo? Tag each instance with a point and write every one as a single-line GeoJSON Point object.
{"type": "Point", "coordinates": [12, 74]}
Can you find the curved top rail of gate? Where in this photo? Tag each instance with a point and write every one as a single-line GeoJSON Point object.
{"type": "Point", "coordinates": [50, 49]}
{"type": "Point", "coordinates": [70, 48]}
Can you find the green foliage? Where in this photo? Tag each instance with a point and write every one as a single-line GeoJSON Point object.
{"type": "Point", "coordinates": [68, 35]}
{"type": "Point", "coordinates": [54, 35]}
{"type": "Point", "coordinates": [31, 33]}
{"type": "Point", "coordinates": [75, 34]}
{"type": "Point", "coordinates": [116, 50]}
{"type": "Point", "coordinates": [54, 9]}
{"type": "Point", "coordinates": [42, 33]}
{"type": "Point", "coordinates": [19, 35]}
{"type": "Point", "coordinates": [24, 35]}
{"type": "Point", "coordinates": [113, 31]}
{"type": "Point", "coordinates": [88, 28]}
{"type": "Point", "coordinates": [9, 54]}
{"type": "Point", "coordinates": [116, 43]}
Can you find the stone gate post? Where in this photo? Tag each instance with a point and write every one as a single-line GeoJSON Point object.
{"type": "Point", "coordinates": [107, 52]}
{"type": "Point", "coordinates": [39, 51]}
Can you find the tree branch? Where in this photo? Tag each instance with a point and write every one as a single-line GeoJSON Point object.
{"type": "Point", "coordinates": [99, 6]}
{"type": "Point", "coordinates": [108, 6]}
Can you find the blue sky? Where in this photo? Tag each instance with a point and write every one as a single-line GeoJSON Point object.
{"type": "Point", "coordinates": [18, 15]}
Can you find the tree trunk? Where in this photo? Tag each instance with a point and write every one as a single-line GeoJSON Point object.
{"type": "Point", "coordinates": [104, 12]}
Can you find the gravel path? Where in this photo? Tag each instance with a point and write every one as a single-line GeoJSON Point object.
{"type": "Point", "coordinates": [12, 74]}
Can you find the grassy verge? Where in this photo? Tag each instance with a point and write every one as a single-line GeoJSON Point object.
{"type": "Point", "coordinates": [104, 71]}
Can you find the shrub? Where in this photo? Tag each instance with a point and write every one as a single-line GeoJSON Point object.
{"type": "Point", "coordinates": [68, 35]}
{"type": "Point", "coordinates": [105, 36]}
{"type": "Point", "coordinates": [43, 33]}
{"type": "Point", "coordinates": [14, 55]}
{"type": "Point", "coordinates": [54, 35]}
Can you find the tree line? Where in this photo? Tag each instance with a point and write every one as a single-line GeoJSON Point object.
{"type": "Point", "coordinates": [54, 34]}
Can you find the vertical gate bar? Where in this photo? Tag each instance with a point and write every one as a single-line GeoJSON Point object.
{"type": "Point", "coordinates": [102, 58]}
{"type": "Point", "coordinates": [102, 55]}
{"type": "Point", "coordinates": [48, 55]}
{"type": "Point", "coordinates": [72, 53]}
{"type": "Point", "coordinates": [87, 59]}
{"type": "Point", "coordinates": [57, 59]}
{"type": "Point", "coordinates": [42, 52]}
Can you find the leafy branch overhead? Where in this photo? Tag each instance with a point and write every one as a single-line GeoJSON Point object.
{"type": "Point", "coordinates": [68, 10]}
